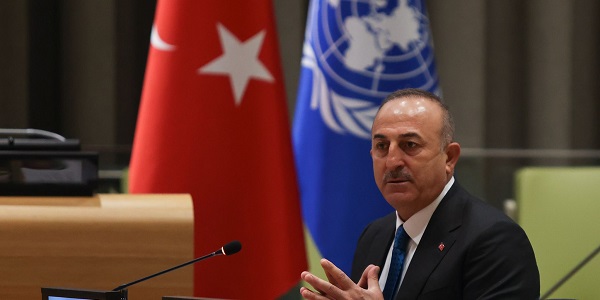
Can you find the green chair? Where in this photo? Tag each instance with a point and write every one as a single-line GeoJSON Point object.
{"type": "Point", "coordinates": [125, 180]}
{"type": "Point", "coordinates": [559, 209]}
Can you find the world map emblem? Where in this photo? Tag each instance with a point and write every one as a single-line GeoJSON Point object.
{"type": "Point", "coordinates": [360, 51]}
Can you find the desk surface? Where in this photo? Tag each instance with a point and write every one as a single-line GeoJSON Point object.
{"type": "Point", "coordinates": [97, 242]}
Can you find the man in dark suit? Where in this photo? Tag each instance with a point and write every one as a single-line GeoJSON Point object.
{"type": "Point", "coordinates": [449, 244]}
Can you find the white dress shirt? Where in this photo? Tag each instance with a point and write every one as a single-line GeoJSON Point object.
{"type": "Point", "coordinates": [414, 227]}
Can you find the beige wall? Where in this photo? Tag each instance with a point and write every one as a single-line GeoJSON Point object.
{"type": "Point", "coordinates": [13, 62]}
{"type": "Point", "coordinates": [516, 74]}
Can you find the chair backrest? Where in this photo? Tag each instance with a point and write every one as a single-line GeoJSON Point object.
{"type": "Point", "coordinates": [559, 209]}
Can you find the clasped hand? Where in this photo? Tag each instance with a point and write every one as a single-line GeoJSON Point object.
{"type": "Point", "coordinates": [340, 286]}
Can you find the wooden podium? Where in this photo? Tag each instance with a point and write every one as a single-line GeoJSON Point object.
{"type": "Point", "coordinates": [97, 242]}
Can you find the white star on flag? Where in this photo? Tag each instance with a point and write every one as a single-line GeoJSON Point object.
{"type": "Point", "coordinates": [239, 61]}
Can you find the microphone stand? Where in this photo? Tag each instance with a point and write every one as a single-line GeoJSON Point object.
{"type": "Point", "coordinates": [571, 273]}
{"type": "Point", "coordinates": [121, 287]}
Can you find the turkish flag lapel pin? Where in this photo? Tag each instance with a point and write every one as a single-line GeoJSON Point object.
{"type": "Point", "coordinates": [441, 246]}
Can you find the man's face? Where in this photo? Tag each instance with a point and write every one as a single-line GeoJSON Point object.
{"type": "Point", "coordinates": [409, 164]}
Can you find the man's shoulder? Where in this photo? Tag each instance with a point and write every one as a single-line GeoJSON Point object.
{"type": "Point", "coordinates": [475, 207]}
{"type": "Point", "coordinates": [477, 216]}
{"type": "Point", "coordinates": [383, 222]}
{"type": "Point", "coordinates": [379, 227]}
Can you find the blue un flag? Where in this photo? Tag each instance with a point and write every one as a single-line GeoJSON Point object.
{"type": "Point", "coordinates": [355, 53]}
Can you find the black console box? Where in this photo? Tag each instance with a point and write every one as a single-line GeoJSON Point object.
{"type": "Point", "coordinates": [48, 173]}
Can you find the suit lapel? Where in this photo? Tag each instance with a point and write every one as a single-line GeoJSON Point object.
{"type": "Point", "coordinates": [374, 245]}
{"type": "Point", "coordinates": [382, 243]}
{"type": "Point", "coordinates": [441, 230]}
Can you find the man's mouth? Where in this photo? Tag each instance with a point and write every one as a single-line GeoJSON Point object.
{"type": "Point", "coordinates": [397, 180]}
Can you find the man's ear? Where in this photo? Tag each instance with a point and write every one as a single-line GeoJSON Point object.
{"type": "Point", "coordinates": [452, 154]}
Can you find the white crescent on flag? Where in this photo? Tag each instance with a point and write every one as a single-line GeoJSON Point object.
{"type": "Point", "coordinates": [157, 42]}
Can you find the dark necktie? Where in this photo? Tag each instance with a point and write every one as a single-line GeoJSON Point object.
{"type": "Point", "coordinates": [398, 255]}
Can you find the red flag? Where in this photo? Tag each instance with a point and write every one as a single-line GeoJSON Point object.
{"type": "Point", "coordinates": [213, 123]}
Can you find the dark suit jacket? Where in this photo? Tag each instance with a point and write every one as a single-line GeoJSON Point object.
{"type": "Point", "coordinates": [485, 256]}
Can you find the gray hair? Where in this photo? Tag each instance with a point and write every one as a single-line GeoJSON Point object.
{"type": "Point", "coordinates": [447, 134]}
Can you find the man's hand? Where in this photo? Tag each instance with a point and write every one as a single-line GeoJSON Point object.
{"type": "Point", "coordinates": [340, 286]}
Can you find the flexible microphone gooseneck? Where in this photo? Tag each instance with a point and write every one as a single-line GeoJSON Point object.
{"type": "Point", "coordinates": [580, 265]}
{"type": "Point", "coordinates": [229, 249]}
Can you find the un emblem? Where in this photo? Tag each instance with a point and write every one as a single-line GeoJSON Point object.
{"type": "Point", "coordinates": [359, 51]}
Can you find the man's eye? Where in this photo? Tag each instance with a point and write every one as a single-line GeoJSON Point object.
{"type": "Point", "coordinates": [412, 147]}
{"type": "Point", "coordinates": [380, 146]}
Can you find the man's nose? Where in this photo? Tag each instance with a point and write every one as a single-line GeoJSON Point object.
{"type": "Point", "coordinates": [395, 157]}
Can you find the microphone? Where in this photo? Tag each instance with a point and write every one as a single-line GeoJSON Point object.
{"type": "Point", "coordinates": [230, 248]}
